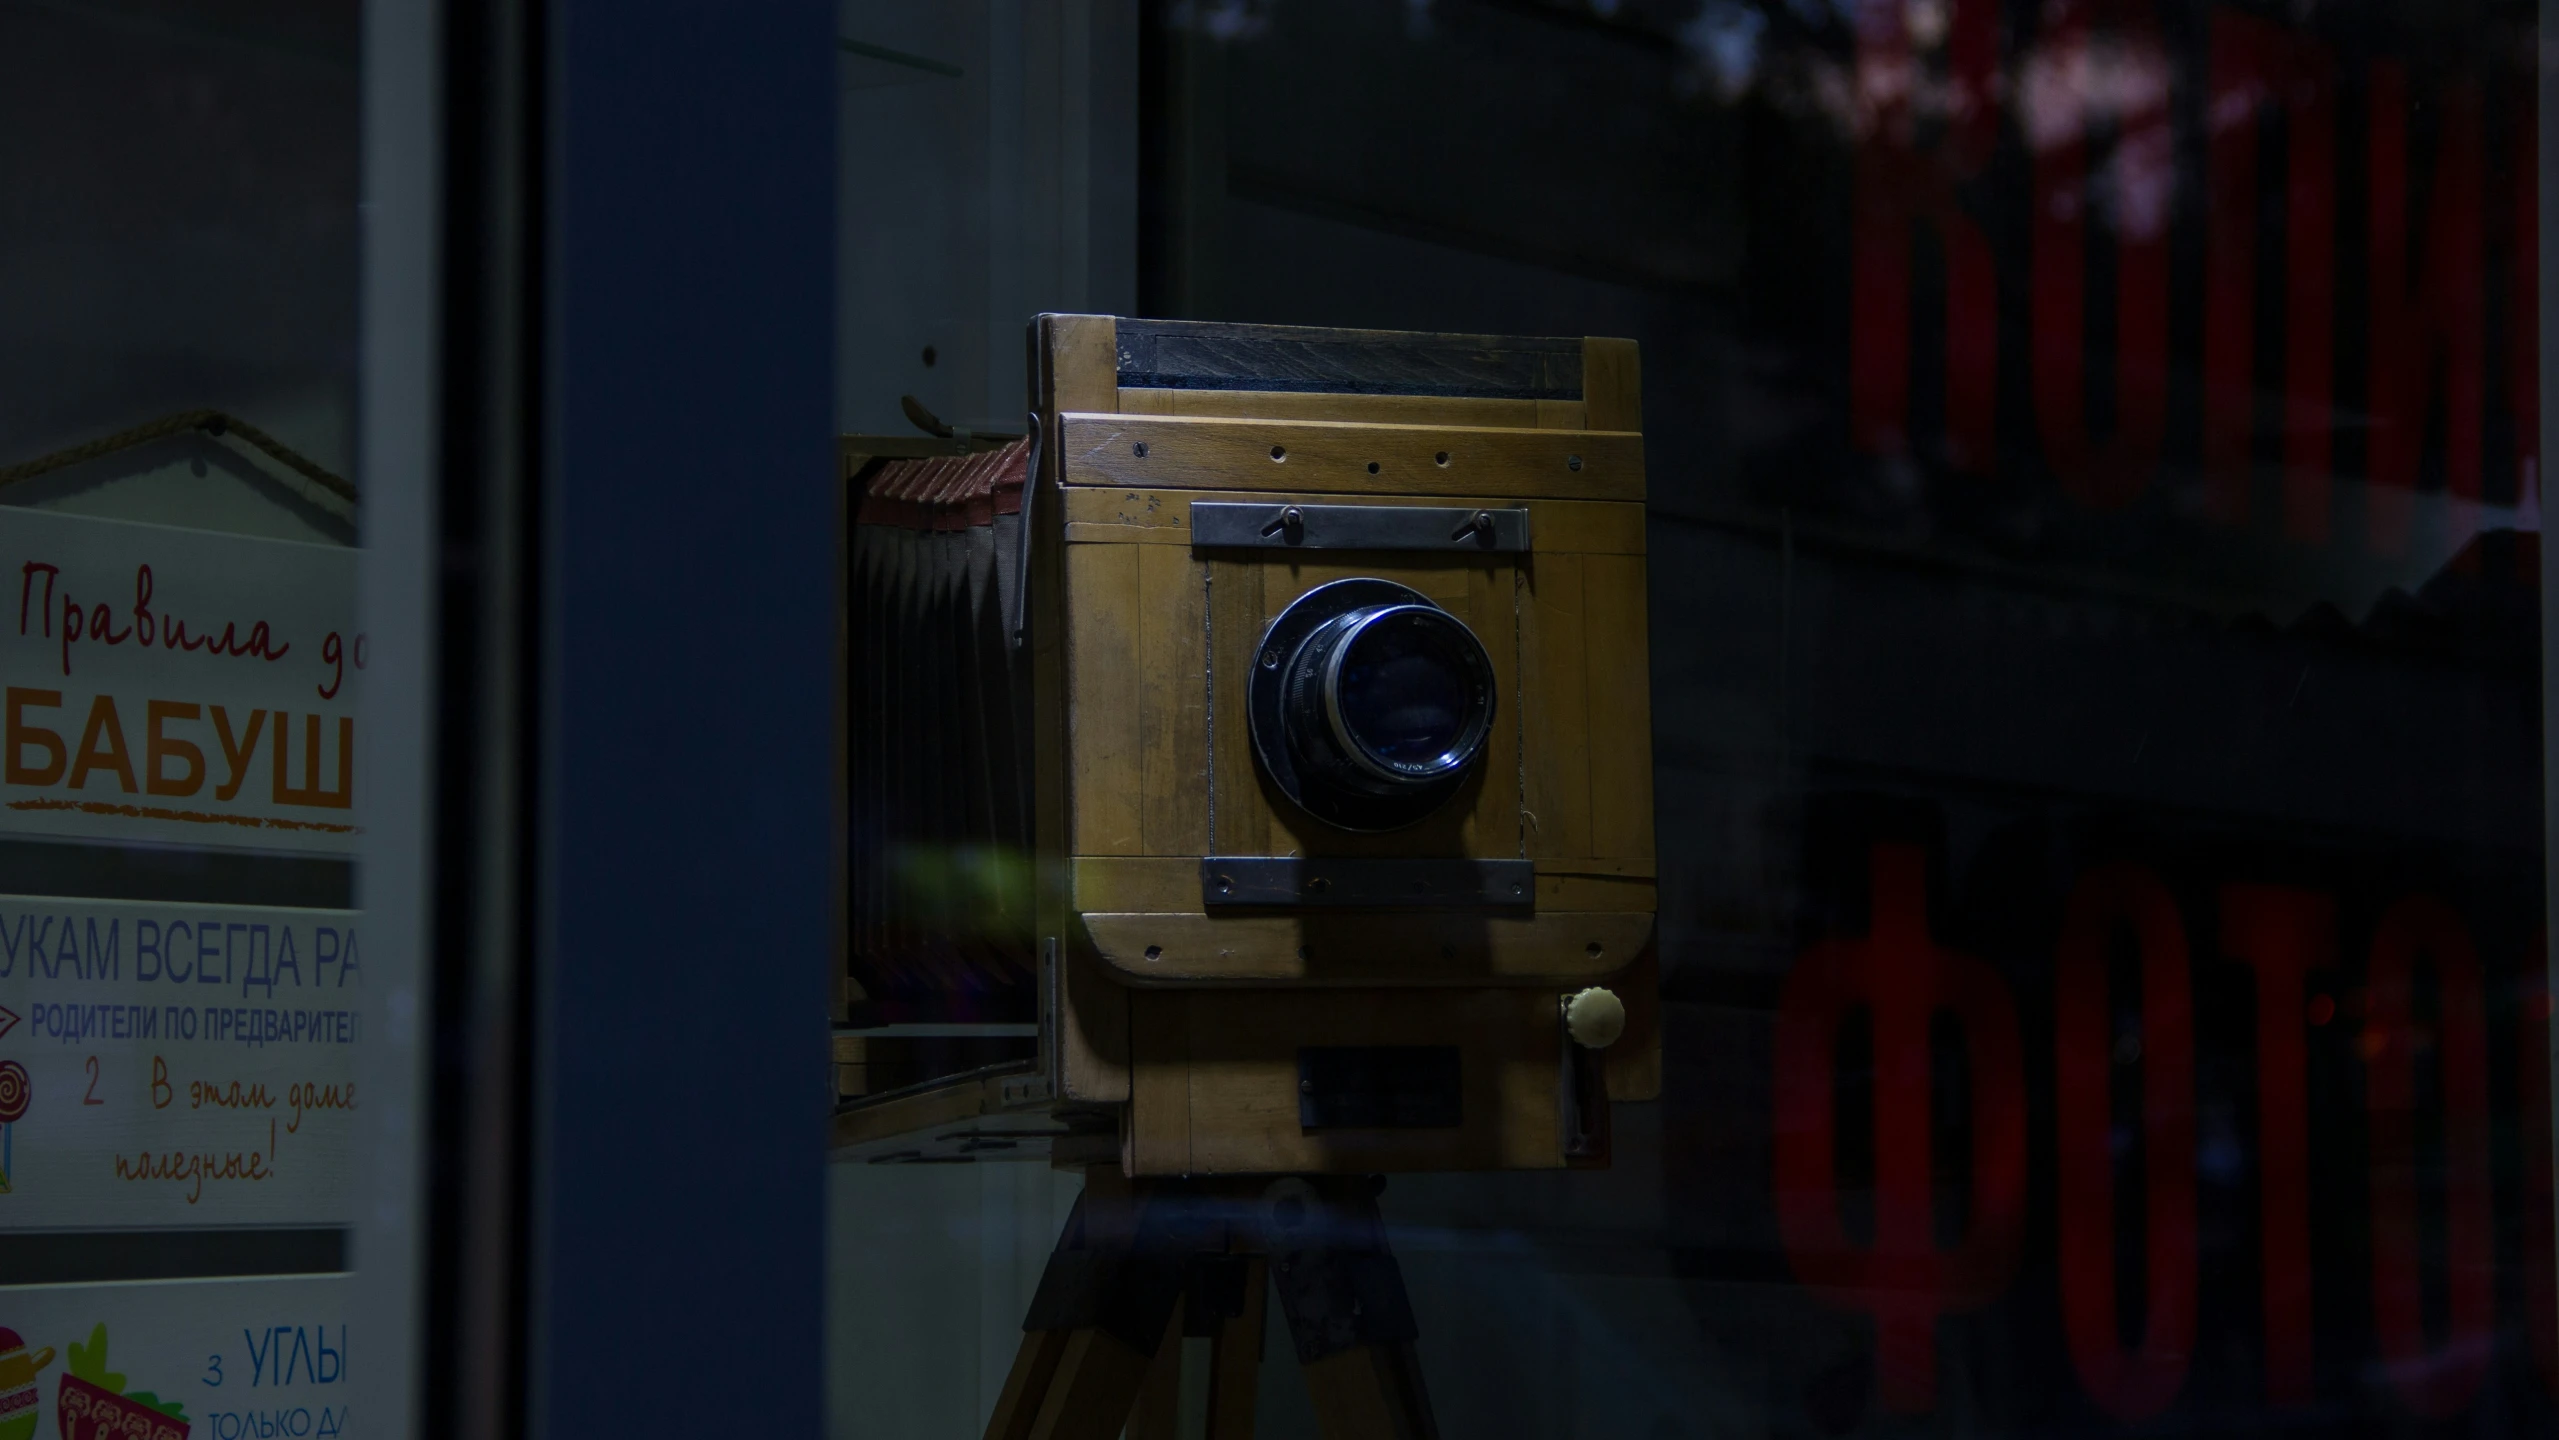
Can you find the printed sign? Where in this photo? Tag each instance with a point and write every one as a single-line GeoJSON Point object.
{"type": "Point", "coordinates": [202, 1360]}
{"type": "Point", "coordinates": [180, 686]}
{"type": "Point", "coordinates": [176, 1064]}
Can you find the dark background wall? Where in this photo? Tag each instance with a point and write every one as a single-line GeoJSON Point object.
{"type": "Point", "coordinates": [1858, 644]}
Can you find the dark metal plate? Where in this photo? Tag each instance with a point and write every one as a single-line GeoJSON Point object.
{"type": "Point", "coordinates": [1379, 1087]}
{"type": "Point", "coordinates": [1462, 528]}
{"type": "Point", "coordinates": [1216, 355]}
{"type": "Point", "coordinates": [1300, 883]}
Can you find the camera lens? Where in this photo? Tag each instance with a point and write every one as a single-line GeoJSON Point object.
{"type": "Point", "coordinates": [1370, 705]}
{"type": "Point", "coordinates": [1408, 693]}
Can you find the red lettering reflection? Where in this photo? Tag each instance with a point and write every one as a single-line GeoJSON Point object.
{"type": "Point", "coordinates": [1902, 187]}
{"type": "Point", "coordinates": [2540, 1256]}
{"type": "Point", "coordinates": [2257, 67]}
{"type": "Point", "coordinates": [2131, 194]}
{"type": "Point", "coordinates": [2282, 934]}
{"type": "Point", "coordinates": [2429, 308]}
{"type": "Point", "coordinates": [2137, 1382]}
{"type": "Point", "coordinates": [2434, 1378]}
{"type": "Point", "coordinates": [1903, 981]}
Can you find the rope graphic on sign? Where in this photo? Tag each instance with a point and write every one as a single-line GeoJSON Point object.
{"type": "Point", "coordinates": [209, 422]}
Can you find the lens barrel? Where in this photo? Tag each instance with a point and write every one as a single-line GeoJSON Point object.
{"type": "Point", "coordinates": [1371, 705]}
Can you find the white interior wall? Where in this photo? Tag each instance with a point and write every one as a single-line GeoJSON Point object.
{"type": "Point", "coordinates": [968, 204]}
{"type": "Point", "coordinates": [971, 202]}
{"type": "Point", "coordinates": [929, 1272]}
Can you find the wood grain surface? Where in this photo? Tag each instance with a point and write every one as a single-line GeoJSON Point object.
{"type": "Point", "coordinates": [1083, 366]}
{"type": "Point", "coordinates": [1612, 384]}
{"type": "Point", "coordinates": [1330, 458]}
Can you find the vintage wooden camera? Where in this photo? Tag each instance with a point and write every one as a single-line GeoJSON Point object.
{"type": "Point", "coordinates": [1282, 696]}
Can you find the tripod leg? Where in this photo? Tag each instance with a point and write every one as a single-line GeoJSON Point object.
{"type": "Point", "coordinates": [1235, 1362]}
{"type": "Point", "coordinates": [1027, 1384]}
{"type": "Point", "coordinates": [1074, 1385]}
{"type": "Point", "coordinates": [1371, 1393]}
{"type": "Point", "coordinates": [1223, 1303]}
{"type": "Point", "coordinates": [1159, 1405]}
{"type": "Point", "coordinates": [1100, 1313]}
{"type": "Point", "coordinates": [1095, 1387]}
{"type": "Point", "coordinates": [1347, 1311]}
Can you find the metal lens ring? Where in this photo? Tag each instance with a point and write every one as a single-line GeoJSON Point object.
{"type": "Point", "coordinates": [1408, 692]}
{"type": "Point", "coordinates": [1370, 705]}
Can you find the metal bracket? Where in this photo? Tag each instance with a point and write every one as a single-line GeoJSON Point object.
{"type": "Point", "coordinates": [1226, 524]}
{"type": "Point", "coordinates": [1052, 983]}
{"type": "Point", "coordinates": [1338, 1283]}
{"type": "Point", "coordinates": [1299, 882]}
{"type": "Point", "coordinates": [1581, 1099]}
{"type": "Point", "coordinates": [1030, 497]}
{"type": "Point", "coordinates": [1025, 1090]}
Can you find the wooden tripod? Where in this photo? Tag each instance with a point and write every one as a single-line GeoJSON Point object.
{"type": "Point", "coordinates": [1144, 1264]}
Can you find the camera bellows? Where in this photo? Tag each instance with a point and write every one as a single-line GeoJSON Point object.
{"type": "Point", "coordinates": [937, 773]}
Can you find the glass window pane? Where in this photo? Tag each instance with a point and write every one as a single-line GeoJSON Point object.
{"type": "Point", "coordinates": [196, 1011]}
{"type": "Point", "coordinates": [2027, 604]}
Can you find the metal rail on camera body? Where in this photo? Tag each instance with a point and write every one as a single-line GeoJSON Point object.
{"type": "Point", "coordinates": [1291, 881]}
{"type": "Point", "coordinates": [1454, 528]}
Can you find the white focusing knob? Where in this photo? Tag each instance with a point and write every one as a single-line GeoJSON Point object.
{"type": "Point", "coordinates": [1594, 1018]}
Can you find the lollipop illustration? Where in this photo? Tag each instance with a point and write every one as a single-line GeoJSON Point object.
{"type": "Point", "coordinates": [13, 1108]}
{"type": "Point", "coordinates": [92, 1404]}
{"type": "Point", "coordinates": [18, 1385]}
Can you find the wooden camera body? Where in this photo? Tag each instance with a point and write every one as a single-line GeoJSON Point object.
{"type": "Point", "coordinates": [1333, 683]}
